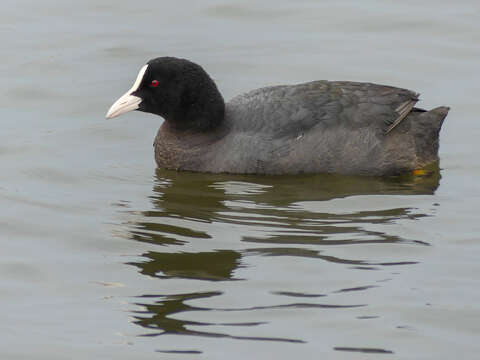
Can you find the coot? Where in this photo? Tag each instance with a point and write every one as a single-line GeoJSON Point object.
{"type": "Point", "coordinates": [316, 127]}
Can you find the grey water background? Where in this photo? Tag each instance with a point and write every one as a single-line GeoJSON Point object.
{"type": "Point", "coordinates": [103, 257]}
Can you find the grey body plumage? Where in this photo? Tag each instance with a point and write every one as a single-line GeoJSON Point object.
{"type": "Point", "coordinates": [316, 127]}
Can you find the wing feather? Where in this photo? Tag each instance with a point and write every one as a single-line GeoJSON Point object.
{"type": "Point", "coordinates": [402, 110]}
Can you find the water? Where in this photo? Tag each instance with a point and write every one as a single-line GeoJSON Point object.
{"type": "Point", "coordinates": [104, 257]}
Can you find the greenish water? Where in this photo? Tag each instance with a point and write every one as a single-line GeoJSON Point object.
{"type": "Point", "coordinates": [105, 257]}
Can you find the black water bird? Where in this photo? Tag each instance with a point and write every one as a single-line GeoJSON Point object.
{"type": "Point", "coordinates": [316, 127]}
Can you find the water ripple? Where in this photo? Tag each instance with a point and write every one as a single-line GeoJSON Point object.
{"type": "Point", "coordinates": [202, 227]}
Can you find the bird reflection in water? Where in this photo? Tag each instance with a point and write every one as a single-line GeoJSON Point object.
{"type": "Point", "coordinates": [200, 211]}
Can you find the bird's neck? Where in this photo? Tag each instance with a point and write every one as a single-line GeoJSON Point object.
{"type": "Point", "coordinates": [201, 108]}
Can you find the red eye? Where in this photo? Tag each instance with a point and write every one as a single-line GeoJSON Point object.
{"type": "Point", "coordinates": [154, 83]}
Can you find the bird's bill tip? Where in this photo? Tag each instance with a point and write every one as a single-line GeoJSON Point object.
{"type": "Point", "coordinates": [124, 104]}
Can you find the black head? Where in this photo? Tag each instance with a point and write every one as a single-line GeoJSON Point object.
{"type": "Point", "coordinates": [176, 89]}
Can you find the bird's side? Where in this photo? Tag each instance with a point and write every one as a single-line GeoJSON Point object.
{"type": "Point", "coordinates": [316, 127]}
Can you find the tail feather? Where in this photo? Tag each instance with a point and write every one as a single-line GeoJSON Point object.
{"type": "Point", "coordinates": [427, 130]}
